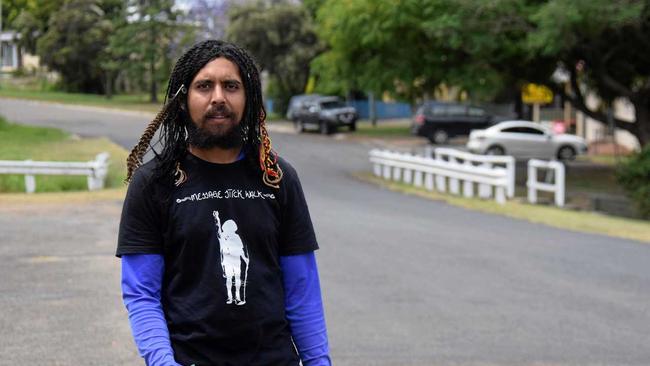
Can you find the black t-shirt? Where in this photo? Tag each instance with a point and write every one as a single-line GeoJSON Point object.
{"type": "Point", "coordinates": [221, 233]}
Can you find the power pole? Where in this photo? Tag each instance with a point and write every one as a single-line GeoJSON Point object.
{"type": "Point", "coordinates": [1, 48]}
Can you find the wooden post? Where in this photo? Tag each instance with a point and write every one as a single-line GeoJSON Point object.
{"type": "Point", "coordinates": [536, 112]}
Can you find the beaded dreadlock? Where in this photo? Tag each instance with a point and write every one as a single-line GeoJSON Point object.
{"type": "Point", "coordinates": [173, 118]}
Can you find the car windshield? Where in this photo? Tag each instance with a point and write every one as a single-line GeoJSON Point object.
{"type": "Point", "coordinates": [333, 104]}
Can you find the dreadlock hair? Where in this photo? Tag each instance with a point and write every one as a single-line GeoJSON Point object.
{"type": "Point", "coordinates": [173, 117]}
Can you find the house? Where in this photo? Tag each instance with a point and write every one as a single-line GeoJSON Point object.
{"type": "Point", "coordinates": [12, 57]}
{"type": "Point", "coordinates": [598, 133]}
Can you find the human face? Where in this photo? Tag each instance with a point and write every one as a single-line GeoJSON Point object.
{"type": "Point", "coordinates": [216, 100]}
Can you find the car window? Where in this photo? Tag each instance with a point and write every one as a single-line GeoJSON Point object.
{"type": "Point", "coordinates": [526, 130]}
{"type": "Point", "coordinates": [476, 112]}
{"type": "Point", "coordinates": [531, 131]}
{"type": "Point", "coordinates": [438, 110]}
{"type": "Point", "coordinates": [456, 110]}
{"type": "Point", "coordinates": [307, 105]}
{"type": "Point", "coordinates": [333, 104]}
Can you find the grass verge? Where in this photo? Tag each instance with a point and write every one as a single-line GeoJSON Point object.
{"type": "Point", "coordinates": [137, 102]}
{"type": "Point", "coordinates": [387, 129]}
{"type": "Point", "coordinates": [588, 222]}
{"type": "Point", "coordinates": [21, 142]}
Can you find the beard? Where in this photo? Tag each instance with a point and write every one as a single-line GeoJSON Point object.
{"type": "Point", "coordinates": [227, 137]}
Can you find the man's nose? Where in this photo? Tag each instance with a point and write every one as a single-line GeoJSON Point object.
{"type": "Point", "coordinates": [218, 95]}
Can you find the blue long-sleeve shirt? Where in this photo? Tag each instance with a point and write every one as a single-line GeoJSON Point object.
{"type": "Point", "coordinates": [141, 285]}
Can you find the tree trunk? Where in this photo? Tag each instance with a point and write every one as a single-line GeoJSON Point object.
{"type": "Point", "coordinates": [152, 66]}
{"type": "Point", "coordinates": [642, 114]}
{"type": "Point", "coordinates": [109, 85]}
{"type": "Point", "coordinates": [152, 75]}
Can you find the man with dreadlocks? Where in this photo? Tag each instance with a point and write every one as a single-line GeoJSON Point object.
{"type": "Point", "coordinates": [216, 162]}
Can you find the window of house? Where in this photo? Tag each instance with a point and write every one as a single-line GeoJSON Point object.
{"type": "Point", "coordinates": [7, 54]}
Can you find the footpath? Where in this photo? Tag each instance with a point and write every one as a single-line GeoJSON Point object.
{"type": "Point", "coordinates": [61, 300]}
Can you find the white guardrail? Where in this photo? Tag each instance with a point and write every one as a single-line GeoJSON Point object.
{"type": "Point", "coordinates": [485, 161]}
{"type": "Point", "coordinates": [438, 173]}
{"type": "Point", "coordinates": [95, 170]}
{"type": "Point", "coordinates": [557, 187]}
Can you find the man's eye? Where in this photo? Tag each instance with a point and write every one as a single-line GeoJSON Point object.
{"type": "Point", "coordinates": [232, 86]}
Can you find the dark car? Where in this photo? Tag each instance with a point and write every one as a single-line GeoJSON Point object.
{"type": "Point", "coordinates": [296, 102]}
{"type": "Point", "coordinates": [440, 121]}
{"type": "Point", "coordinates": [325, 114]}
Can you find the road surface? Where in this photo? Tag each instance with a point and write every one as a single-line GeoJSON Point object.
{"type": "Point", "coordinates": [406, 281]}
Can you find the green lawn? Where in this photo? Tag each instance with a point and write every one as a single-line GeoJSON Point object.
{"type": "Point", "coordinates": [49, 144]}
{"type": "Point", "coordinates": [136, 102]}
{"type": "Point", "coordinates": [582, 221]}
{"type": "Point", "coordinates": [384, 129]}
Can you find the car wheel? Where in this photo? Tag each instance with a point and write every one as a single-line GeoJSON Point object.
{"type": "Point", "coordinates": [353, 126]}
{"type": "Point", "coordinates": [495, 150]}
{"type": "Point", "coordinates": [298, 126]}
{"type": "Point", "coordinates": [439, 137]}
{"type": "Point", "coordinates": [566, 153]}
{"type": "Point", "coordinates": [324, 128]}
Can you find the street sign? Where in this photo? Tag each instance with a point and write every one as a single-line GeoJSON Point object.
{"type": "Point", "coordinates": [536, 94]}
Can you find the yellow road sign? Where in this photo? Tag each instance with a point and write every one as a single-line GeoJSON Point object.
{"type": "Point", "coordinates": [536, 94]}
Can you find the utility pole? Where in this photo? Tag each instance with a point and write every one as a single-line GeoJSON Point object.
{"type": "Point", "coordinates": [1, 36]}
{"type": "Point", "coordinates": [1, 48]}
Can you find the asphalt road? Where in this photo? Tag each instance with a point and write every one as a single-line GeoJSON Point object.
{"type": "Point", "coordinates": [405, 281]}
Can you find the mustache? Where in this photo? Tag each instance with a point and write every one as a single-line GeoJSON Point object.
{"type": "Point", "coordinates": [219, 111]}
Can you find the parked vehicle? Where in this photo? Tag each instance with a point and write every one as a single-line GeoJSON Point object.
{"type": "Point", "coordinates": [295, 103]}
{"type": "Point", "coordinates": [440, 121]}
{"type": "Point", "coordinates": [325, 114]}
{"type": "Point", "coordinates": [524, 139]}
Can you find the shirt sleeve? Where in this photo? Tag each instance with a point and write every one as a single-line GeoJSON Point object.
{"type": "Point", "coordinates": [296, 230]}
{"type": "Point", "coordinates": [304, 308]}
{"type": "Point", "coordinates": [141, 225]}
{"type": "Point", "coordinates": [141, 285]}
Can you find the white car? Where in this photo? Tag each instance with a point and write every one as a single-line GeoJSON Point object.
{"type": "Point", "coordinates": [523, 140]}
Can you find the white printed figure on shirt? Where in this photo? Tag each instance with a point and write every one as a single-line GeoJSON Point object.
{"type": "Point", "coordinates": [233, 252]}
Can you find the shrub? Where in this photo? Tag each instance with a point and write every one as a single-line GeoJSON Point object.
{"type": "Point", "coordinates": [634, 176]}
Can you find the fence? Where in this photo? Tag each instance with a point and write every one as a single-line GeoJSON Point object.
{"type": "Point", "coordinates": [95, 170]}
{"type": "Point", "coordinates": [485, 161]}
{"type": "Point", "coordinates": [433, 173]}
{"type": "Point", "coordinates": [383, 110]}
{"type": "Point", "coordinates": [556, 187]}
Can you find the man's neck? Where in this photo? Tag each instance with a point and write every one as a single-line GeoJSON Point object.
{"type": "Point", "coordinates": [216, 154]}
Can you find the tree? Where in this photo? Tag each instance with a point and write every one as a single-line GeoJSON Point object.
{"type": "Point", "coordinates": [383, 46]}
{"type": "Point", "coordinates": [282, 39]}
{"type": "Point", "coordinates": [605, 47]}
{"type": "Point", "coordinates": [140, 45]}
{"type": "Point", "coordinates": [76, 36]}
{"type": "Point", "coordinates": [410, 47]}
{"type": "Point", "coordinates": [29, 18]}
{"type": "Point", "coordinates": [11, 9]}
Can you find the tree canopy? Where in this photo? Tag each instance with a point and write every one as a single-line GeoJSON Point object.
{"type": "Point", "coordinates": [605, 48]}
{"type": "Point", "coordinates": [283, 41]}
{"type": "Point", "coordinates": [74, 41]}
{"type": "Point", "coordinates": [140, 45]}
{"type": "Point", "coordinates": [409, 48]}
